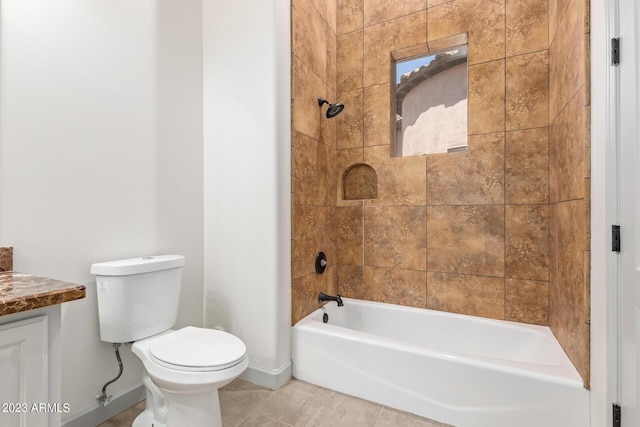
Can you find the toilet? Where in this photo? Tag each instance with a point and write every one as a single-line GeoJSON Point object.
{"type": "Point", "coordinates": [138, 305]}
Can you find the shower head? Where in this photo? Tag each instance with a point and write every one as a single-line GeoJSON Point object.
{"type": "Point", "coordinates": [333, 110]}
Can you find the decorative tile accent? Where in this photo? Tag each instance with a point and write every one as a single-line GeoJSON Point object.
{"type": "Point", "coordinates": [466, 239]}
{"type": "Point", "coordinates": [395, 237]}
{"type": "Point", "coordinates": [22, 292]}
{"type": "Point", "coordinates": [448, 174]}
{"type": "Point", "coordinates": [473, 295]}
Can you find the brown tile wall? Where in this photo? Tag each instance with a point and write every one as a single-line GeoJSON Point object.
{"type": "Point", "coordinates": [6, 258]}
{"type": "Point", "coordinates": [569, 179]}
{"type": "Point", "coordinates": [314, 155]}
{"type": "Point", "coordinates": [464, 232]}
{"type": "Point", "coordinates": [497, 231]}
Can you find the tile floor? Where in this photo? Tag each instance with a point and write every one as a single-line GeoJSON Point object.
{"type": "Point", "coordinates": [296, 404]}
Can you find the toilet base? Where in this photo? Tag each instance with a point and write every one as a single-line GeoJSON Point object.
{"type": "Point", "coordinates": [145, 419]}
{"type": "Point", "coordinates": [202, 410]}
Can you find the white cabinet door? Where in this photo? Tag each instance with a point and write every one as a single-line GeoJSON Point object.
{"type": "Point", "coordinates": [23, 372]}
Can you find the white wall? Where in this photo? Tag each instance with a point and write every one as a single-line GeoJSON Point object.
{"type": "Point", "coordinates": [247, 187]}
{"type": "Point", "coordinates": [101, 155]}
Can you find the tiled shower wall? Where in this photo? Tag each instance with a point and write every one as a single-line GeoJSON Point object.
{"type": "Point", "coordinates": [569, 178]}
{"type": "Point", "coordinates": [313, 152]}
{"type": "Point", "coordinates": [482, 232]}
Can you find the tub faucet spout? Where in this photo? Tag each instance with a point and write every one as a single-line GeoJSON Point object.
{"type": "Point", "coordinates": [324, 297]}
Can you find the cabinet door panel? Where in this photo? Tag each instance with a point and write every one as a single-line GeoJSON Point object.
{"type": "Point", "coordinates": [23, 363]}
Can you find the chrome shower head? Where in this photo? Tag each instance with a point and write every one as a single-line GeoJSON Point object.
{"type": "Point", "coordinates": [333, 110]}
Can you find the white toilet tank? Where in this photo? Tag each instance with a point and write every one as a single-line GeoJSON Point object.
{"type": "Point", "coordinates": [137, 297]}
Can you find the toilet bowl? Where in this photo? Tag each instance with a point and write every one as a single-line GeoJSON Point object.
{"type": "Point", "coordinates": [186, 368]}
{"type": "Point", "coordinates": [138, 304]}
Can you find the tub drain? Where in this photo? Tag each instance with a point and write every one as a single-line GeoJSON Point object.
{"type": "Point", "coordinates": [325, 318]}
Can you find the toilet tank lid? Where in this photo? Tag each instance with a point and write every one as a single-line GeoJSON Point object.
{"type": "Point", "coordinates": [140, 265]}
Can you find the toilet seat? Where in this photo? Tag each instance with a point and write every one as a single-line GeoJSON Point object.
{"type": "Point", "coordinates": [197, 349]}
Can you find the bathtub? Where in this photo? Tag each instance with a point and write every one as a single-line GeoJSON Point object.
{"type": "Point", "coordinates": [461, 370]}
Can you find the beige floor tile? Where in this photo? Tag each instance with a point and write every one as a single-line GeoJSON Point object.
{"type": "Point", "coordinates": [239, 399]}
{"type": "Point", "coordinates": [296, 404]}
{"type": "Point", "coordinates": [341, 410]}
{"type": "Point", "coordinates": [390, 417]}
{"type": "Point", "coordinates": [260, 420]}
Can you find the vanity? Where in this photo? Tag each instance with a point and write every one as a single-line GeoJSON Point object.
{"type": "Point", "coordinates": [30, 346]}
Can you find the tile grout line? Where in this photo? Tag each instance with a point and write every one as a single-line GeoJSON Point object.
{"type": "Point", "coordinates": [308, 424]}
{"type": "Point", "coordinates": [375, 423]}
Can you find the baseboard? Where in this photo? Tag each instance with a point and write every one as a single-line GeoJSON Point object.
{"type": "Point", "coordinates": [268, 378]}
{"type": "Point", "coordinates": [98, 414]}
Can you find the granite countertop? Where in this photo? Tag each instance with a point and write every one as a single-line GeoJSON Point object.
{"type": "Point", "coordinates": [22, 292]}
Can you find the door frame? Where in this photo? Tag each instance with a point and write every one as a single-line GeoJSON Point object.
{"type": "Point", "coordinates": [605, 211]}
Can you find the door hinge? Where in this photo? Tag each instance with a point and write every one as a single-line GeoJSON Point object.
{"type": "Point", "coordinates": [615, 238]}
{"type": "Point", "coordinates": [617, 415]}
{"type": "Point", "coordinates": [615, 51]}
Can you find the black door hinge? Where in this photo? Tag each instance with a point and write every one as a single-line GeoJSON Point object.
{"type": "Point", "coordinates": [615, 51]}
{"type": "Point", "coordinates": [617, 415]}
{"type": "Point", "coordinates": [615, 238]}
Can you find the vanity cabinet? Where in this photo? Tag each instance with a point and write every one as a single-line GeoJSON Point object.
{"type": "Point", "coordinates": [30, 369]}
{"type": "Point", "coordinates": [23, 363]}
{"type": "Point", "coordinates": [30, 349]}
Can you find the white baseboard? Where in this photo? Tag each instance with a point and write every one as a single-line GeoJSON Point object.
{"type": "Point", "coordinates": [273, 379]}
{"type": "Point", "coordinates": [98, 414]}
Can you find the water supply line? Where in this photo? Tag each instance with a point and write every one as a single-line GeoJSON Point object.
{"type": "Point", "coordinates": [102, 397]}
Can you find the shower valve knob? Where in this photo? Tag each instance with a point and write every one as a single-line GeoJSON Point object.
{"type": "Point", "coordinates": [321, 262]}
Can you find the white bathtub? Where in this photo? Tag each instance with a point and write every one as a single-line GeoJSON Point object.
{"type": "Point", "coordinates": [461, 370]}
